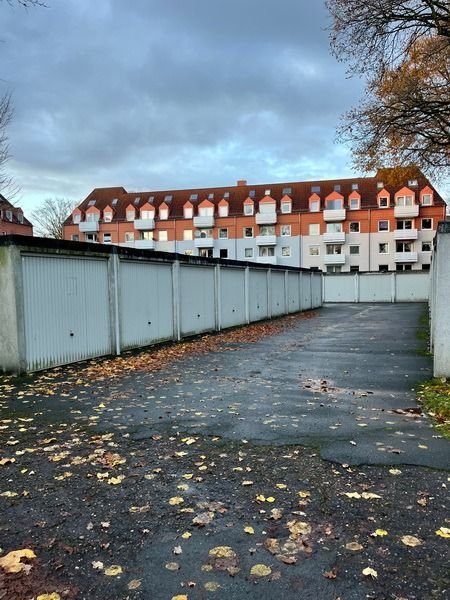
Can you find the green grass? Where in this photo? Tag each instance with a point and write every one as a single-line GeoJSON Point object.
{"type": "Point", "coordinates": [434, 396]}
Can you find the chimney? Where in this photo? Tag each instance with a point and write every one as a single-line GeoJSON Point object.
{"type": "Point", "coordinates": [241, 182]}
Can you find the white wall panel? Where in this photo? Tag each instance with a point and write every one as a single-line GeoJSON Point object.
{"type": "Point", "coordinates": [232, 296]}
{"type": "Point", "coordinates": [316, 287]}
{"type": "Point", "coordinates": [412, 287]}
{"type": "Point", "coordinates": [339, 288]}
{"type": "Point", "coordinates": [293, 292]}
{"type": "Point", "coordinates": [197, 308]}
{"type": "Point", "coordinates": [258, 295]}
{"type": "Point", "coordinates": [375, 288]}
{"type": "Point", "coordinates": [305, 290]}
{"type": "Point", "coordinates": [277, 295]}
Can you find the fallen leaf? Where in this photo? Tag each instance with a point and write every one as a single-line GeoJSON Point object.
{"type": "Point", "coordinates": [172, 566]}
{"type": "Point", "coordinates": [270, 499]}
{"type": "Point", "coordinates": [203, 519]}
{"type": "Point", "coordinates": [97, 564]}
{"type": "Point", "coordinates": [134, 584]}
{"type": "Point", "coordinates": [247, 482]}
{"type": "Point", "coordinates": [353, 546]}
{"type": "Point", "coordinates": [281, 486]}
{"type": "Point", "coordinates": [115, 480]}
{"type": "Point", "coordinates": [369, 572]}
{"type": "Point", "coordinates": [186, 535]}
{"type": "Point", "coordinates": [276, 514]}
{"type": "Point", "coordinates": [304, 494]}
{"type": "Point", "coordinates": [249, 530]}
{"type": "Point", "coordinates": [394, 471]}
{"type": "Point", "coordinates": [180, 597]}
{"type": "Point", "coordinates": [6, 461]}
{"type": "Point", "coordinates": [140, 509]}
{"type": "Point", "coordinates": [9, 494]}
{"type": "Point", "coordinates": [222, 552]}
{"type": "Point", "coordinates": [113, 570]}
{"type": "Point", "coordinates": [330, 574]}
{"type": "Point", "coordinates": [11, 561]}
{"type": "Point", "coordinates": [175, 500]}
{"type": "Point", "coordinates": [211, 586]}
{"type": "Point", "coordinates": [411, 540]}
{"type": "Point", "coordinates": [369, 496]}
{"type": "Point", "coordinates": [379, 533]}
{"type": "Point", "coordinates": [443, 532]}
{"type": "Point", "coordinates": [52, 596]}
{"type": "Point", "coordinates": [260, 570]}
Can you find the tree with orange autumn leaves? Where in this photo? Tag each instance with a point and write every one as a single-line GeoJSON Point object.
{"type": "Point", "coordinates": [402, 48]}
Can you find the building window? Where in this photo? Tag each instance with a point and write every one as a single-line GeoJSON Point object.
{"type": "Point", "coordinates": [248, 209]}
{"type": "Point", "coordinates": [211, 196]}
{"type": "Point", "coordinates": [206, 211]}
{"type": "Point", "coordinates": [90, 237]}
{"type": "Point", "coordinates": [287, 191]}
{"type": "Point", "coordinates": [426, 200]}
{"type": "Point", "coordinates": [223, 211]}
{"type": "Point", "coordinates": [252, 194]}
{"type": "Point", "coordinates": [267, 192]}
{"type": "Point", "coordinates": [205, 252]}
{"type": "Point", "coordinates": [404, 201]}
{"type": "Point", "coordinates": [354, 227]}
{"type": "Point", "coordinates": [426, 246]}
{"type": "Point", "coordinates": [337, 187]}
{"type": "Point", "coordinates": [383, 202]}
{"type": "Point", "coordinates": [107, 217]}
{"type": "Point", "coordinates": [223, 253]}
{"type": "Point", "coordinates": [129, 236]}
{"type": "Point", "coordinates": [147, 214]}
{"type": "Point", "coordinates": [91, 203]}
{"type": "Point", "coordinates": [413, 183]}
{"type": "Point", "coordinates": [187, 235]}
{"type": "Point", "coordinates": [333, 249]}
{"type": "Point", "coordinates": [383, 225]}
{"type": "Point", "coordinates": [285, 251]}
{"type": "Point", "coordinates": [115, 201]}
{"type": "Point", "coordinates": [285, 230]}
{"type": "Point", "coordinates": [193, 197]}
{"type": "Point", "coordinates": [146, 235]}
{"type": "Point", "coordinates": [130, 215]}
{"type": "Point", "coordinates": [248, 232]}
{"type": "Point", "coordinates": [354, 268]}
{"type": "Point", "coordinates": [354, 187]}
{"type": "Point", "coordinates": [334, 269]}
{"type": "Point", "coordinates": [354, 203]}
{"type": "Point", "coordinates": [314, 229]}
{"type": "Point", "coordinates": [107, 238]}
{"type": "Point", "coordinates": [315, 189]}
{"type": "Point", "coordinates": [354, 250]}
{"type": "Point", "coordinates": [380, 185]}
{"type": "Point", "coordinates": [404, 224]}
{"type": "Point", "coordinates": [403, 247]}
{"type": "Point", "coordinates": [334, 204]}
{"type": "Point", "coordinates": [314, 206]}
{"type": "Point", "coordinates": [286, 207]}
{"type": "Point", "coordinates": [76, 218]}
{"type": "Point", "coordinates": [223, 233]}
{"type": "Point", "coordinates": [427, 223]}
{"type": "Point", "coordinates": [226, 194]}
{"type": "Point", "coordinates": [162, 236]}
{"type": "Point", "coordinates": [426, 267]}
{"type": "Point", "coordinates": [248, 252]}
{"type": "Point", "coordinates": [75, 237]}
{"type": "Point", "coordinates": [266, 251]}
{"type": "Point", "coordinates": [205, 234]}
{"type": "Point", "coordinates": [403, 267]}
{"type": "Point", "coordinates": [383, 248]}
{"type": "Point", "coordinates": [188, 212]}
{"type": "Point", "coordinates": [266, 230]}
{"type": "Point", "coordinates": [314, 250]}
{"type": "Point", "coordinates": [189, 252]}
{"type": "Point", "coordinates": [163, 214]}
{"type": "Point", "coordinates": [334, 227]}
{"type": "Point", "coordinates": [383, 268]}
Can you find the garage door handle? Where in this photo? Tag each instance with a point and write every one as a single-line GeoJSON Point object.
{"type": "Point", "coordinates": [149, 323]}
{"type": "Point", "coordinates": [71, 334]}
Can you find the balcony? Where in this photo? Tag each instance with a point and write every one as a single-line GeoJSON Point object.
{"type": "Point", "coordinates": [336, 214]}
{"type": "Point", "coordinates": [334, 259]}
{"type": "Point", "coordinates": [401, 212]}
{"type": "Point", "coordinates": [88, 226]}
{"type": "Point", "coordinates": [144, 244]}
{"type": "Point", "coordinates": [267, 260]}
{"type": "Point", "coordinates": [405, 257]}
{"type": "Point", "coordinates": [203, 242]}
{"type": "Point", "coordinates": [405, 234]}
{"type": "Point", "coordinates": [144, 224]}
{"type": "Point", "coordinates": [204, 221]}
{"type": "Point", "coordinates": [335, 237]}
{"type": "Point", "coordinates": [266, 240]}
{"type": "Point", "coordinates": [269, 218]}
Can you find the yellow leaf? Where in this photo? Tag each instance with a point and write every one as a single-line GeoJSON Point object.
{"type": "Point", "coordinates": [379, 533]}
{"type": "Point", "coordinates": [9, 494]}
{"type": "Point", "coordinates": [172, 566]}
{"type": "Point", "coordinates": [443, 532]}
{"type": "Point", "coordinates": [181, 453]}
{"type": "Point", "coordinates": [394, 471]}
{"type": "Point", "coordinates": [211, 586]}
{"type": "Point", "coordinates": [369, 572]}
{"type": "Point", "coordinates": [369, 496]}
{"type": "Point", "coordinates": [134, 584]}
{"type": "Point", "coordinates": [115, 480]}
{"type": "Point", "coordinates": [183, 487]}
{"type": "Point", "coordinates": [249, 530]}
{"type": "Point", "coordinates": [139, 509]}
{"type": "Point", "coordinates": [186, 535]}
{"type": "Point", "coordinates": [260, 570]}
{"type": "Point", "coordinates": [298, 528]}
{"type": "Point", "coordinates": [11, 561]}
{"type": "Point", "coordinates": [180, 597]}
{"type": "Point", "coordinates": [281, 486]}
{"type": "Point", "coordinates": [304, 494]}
{"type": "Point", "coordinates": [113, 570]}
{"type": "Point", "coordinates": [188, 476]}
{"type": "Point", "coordinates": [422, 446]}
{"type": "Point", "coordinates": [260, 498]}
{"type": "Point", "coordinates": [411, 540]}
{"type": "Point", "coordinates": [189, 440]}
{"type": "Point", "coordinates": [222, 552]}
{"type": "Point", "coordinates": [352, 494]}
{"type": "Point", "coordinates": [5, 461]}
{"type": "Point", "coordinates": [353, 546]}
{"type": "Point", "coordinates": [52, 596]}
{"type": "Point", "coordinates": [175, 500]}
{"type": "Point", "coordinates": [247, 482]}
{"type": "Point", "coordinates": [270, 499]}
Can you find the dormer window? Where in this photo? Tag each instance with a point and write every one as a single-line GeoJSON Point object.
{"type": "Point", "coordinates": [248, 209]}
{"type": "Point", "coordinates": [383, 202]}
{"type": "Point", "coordinates": [354, 203]}
{"type": "Point", "coordinates": [412, 183]}
{"type": "Point", "coordinates": [287, 191]}
{"type": "Point", "coordinates": [404, 201]}
{"type": "Point", "coordinates": [223, 208]}
{"type": "Point", "coordinates": [92, 217]}
{"type": "Point", "coordinates": [286, 206]}
{"type": "Point", "coordinates": [163, 214]}
{"type": "Point", "coordinates": [206, 211]}
{"type": "Point", "coordinates": [20, 217]}
{"type": "Point", "coordinates": [334, 204]}
{"type": "Point", "coordinates": [147, 214]}
{"type": "Point", "coordinates": [131, 214]}
{"type": "Point", "coordinates": [188, 212]}
{"type": "Point", "coordinates": [314, 205]}
{"type": "Point", "coordinates": [107, 216]}
{"type": "Point", "coordinates": [91, 203]}
{"type": "Point", "coordinates": [76, 218]}
{"type": "Point", "coordinates": [192, 197]}
{"type": "Point", "coordinates": [427, 200]}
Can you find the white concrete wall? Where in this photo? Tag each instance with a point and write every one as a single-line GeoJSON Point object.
{"type": "Point", "coordinates": [440, 302]}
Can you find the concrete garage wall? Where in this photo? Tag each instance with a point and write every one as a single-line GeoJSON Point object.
{"type": "Point", "coordinates": [62, 302]}
{"type": "Point", "coordinates": [440, 302]}
{"type": "Point", "coordinates": [406, 286]}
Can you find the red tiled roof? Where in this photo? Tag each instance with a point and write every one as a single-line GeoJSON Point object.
{"type": "Point", "coordinates": [6, 205]}
{"type": "Point", "coordinates": [237, 195]}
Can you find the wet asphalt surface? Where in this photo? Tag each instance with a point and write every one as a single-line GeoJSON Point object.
{"type": "Point", "coordinates": [97, 460]}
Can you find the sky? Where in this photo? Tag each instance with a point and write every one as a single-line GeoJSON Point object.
{"type": "Point", "coordinates": [166, 94]}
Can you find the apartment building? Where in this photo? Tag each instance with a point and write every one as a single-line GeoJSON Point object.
{"type": "Point", "coordinates": [361, 224]}
{"type": "Point", "coordinates": [12, 219]}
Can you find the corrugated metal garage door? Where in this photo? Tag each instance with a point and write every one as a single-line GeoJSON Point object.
{"type": "Point", "coordinates": [66, 310]}
{"type": "Point", "coordinates": [146, 303]}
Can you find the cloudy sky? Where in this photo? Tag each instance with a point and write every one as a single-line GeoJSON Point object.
{"type": "Point", "coordinates": [159, 94]}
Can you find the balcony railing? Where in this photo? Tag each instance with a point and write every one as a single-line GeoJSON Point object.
{"type": "Point", "coordinates": [144, 224]}
{"type": "Point", "coordinates": [334, 259]}
{"type": "Point", "coordinates": [266, 240]}
{"type": "Point", "coordinates": [336, 214]}
{"type": "Point", "coordinates": [405, 257]}
{"type": "Point", "coordinates": [204, 221]}
{"type": "Point", "coordinates": [335, 237]}
{"type": "Point", "coordinates": [203, 242]}
{"type": "Point", "coordinates": [145, 244]}
{"type": "Point", "coordinates": [88, 226]}
{"type": "Point", "coordinates": [405, 234]}
{"type": "Point", "coordinates": [267, 260]}
{"type": "Point", "coordinates": [401, 212]}
{"type": "Point", "coordinates": [266, 218]}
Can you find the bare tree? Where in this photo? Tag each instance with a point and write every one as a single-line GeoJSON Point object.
{"type": "Point", "coordinates": [48, 218]}
{"type": "Point", "coordinates": [6, 181]}
{"type": "Point", "coordinates": [402, 47]}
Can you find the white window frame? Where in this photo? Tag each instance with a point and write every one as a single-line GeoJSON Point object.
{"type": "Point", "coordinates": [357, 203]}
{"type": "Point", "coordinates": [388, 226]}
{"type": "Point", "coordinates": [129, 236]}
{"type": "Point", "coordinates": [314, 247]}
{"type": "Point", "coordinates": [313, 204]}
{"type": "Point", "coordinates": [286, 251]}
{"type": "Point", "coordinates": [315, 225]}
{"type": "Point", "coordinates": [223, 211]}
{"type": "Point", "coordinates": [163, 214]}
{"type": "Point", "coordinates": [105, 241]}
{"type": "Point", "coordinates": [285, 231]}
{"type": "Point", "coordinates": [350, 250]}
{"type": "Point", "coordinates": [354, 223]}
{"type": "Point", "coordinates": [383, 198]}
{"type": "Point", "coordinates": [430, 244]}
{"type": "Point", "coordinates": [426, 228]}
{"type": "Point", "coordinates": [188, 235]}
{"type": "Point", "coordinates": [430, 198]}
{"type": "Point", "coordinates": [163, 233]}
{"type": "Point", "coordinates": [76, 218]}
{"type": "Point", "coordinates": [383, 244]}
{"type": "Point", "coordinates": [286, 207]}
{"type": "Point", "coordinates": [223, 237]}
{"type": "Point", "coordinates": [249, 251]}
{"type": "Point", "coordinates": [131, 215]}
{"type": "Point", "coordinates": [188, 212]}
{"type": "Point", "coordinates": [244, 234]}
{"type": "Point", "coordinates": [248, 210]}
